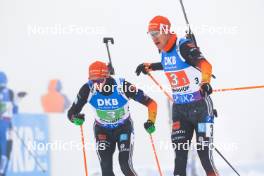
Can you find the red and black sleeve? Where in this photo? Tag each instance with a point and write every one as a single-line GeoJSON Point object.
{"type": "Point", "coordinates": [79, 102]}
{"type": "Point", "coordinates": [139, 96]}
{"type": "Point", "coordinates": [194, 57]}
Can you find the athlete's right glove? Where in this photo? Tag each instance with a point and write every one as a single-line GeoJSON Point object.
{"type": "Point", "coordinates": [144, 68]}
{"type": "Point", "coordinates": [149, 126]}
{"type": "Point", "coordinates": [78, 119]}
{"type": "Point", "coordinates": [206, 89]}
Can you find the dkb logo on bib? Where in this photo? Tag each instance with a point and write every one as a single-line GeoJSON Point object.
{"type": "Point", "coordinates": [107, 102]}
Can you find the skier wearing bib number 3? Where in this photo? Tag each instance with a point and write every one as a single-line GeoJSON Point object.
{"type": "Point", "coordinates": [192, 107]}
{"type": "Point", "coordinates": [113, 125]}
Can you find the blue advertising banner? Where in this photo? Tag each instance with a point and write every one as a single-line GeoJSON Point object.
{"type": "Point", "coordinates": [30, 155]}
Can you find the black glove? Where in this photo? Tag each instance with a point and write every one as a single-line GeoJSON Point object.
{"type": "Point", "coordinates": [21, 94]}
{"type": "Point", "coordinates": [206, 89]}
{"type": "Point", "coordinates": [144, 68]}
{"type": "Point", "coordinates": [149, 126]}
{"type": "Point", "coordinates": [78, 119]}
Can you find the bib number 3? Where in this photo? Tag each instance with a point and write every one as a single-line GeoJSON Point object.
{"type": "Point", "coordinates": [178, 79]}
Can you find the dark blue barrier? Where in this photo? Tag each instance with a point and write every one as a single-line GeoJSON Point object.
{"type": "Point", "coordinates": [30, 130]}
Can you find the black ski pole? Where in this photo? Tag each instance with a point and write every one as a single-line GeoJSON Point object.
{"type": "Point", "coordinates": [106, 40]}
{"type": "Point", "coordinates": [226, 161]}
{"type": "Point", "coordinates": [190, 33]}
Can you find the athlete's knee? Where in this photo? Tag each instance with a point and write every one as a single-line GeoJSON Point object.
{"type": "Point", "coordinates": [180, 162]}
{"type": "Point", "coordinates": [181, 159]}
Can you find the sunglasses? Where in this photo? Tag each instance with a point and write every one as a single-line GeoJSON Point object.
{"type": "Point", "coordinates": [154, 34]}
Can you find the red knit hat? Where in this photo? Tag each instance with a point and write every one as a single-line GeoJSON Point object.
{"type": "Point", "coordinates": [98, 70]}
{"type": "Point", "coordinates": [156, 23]}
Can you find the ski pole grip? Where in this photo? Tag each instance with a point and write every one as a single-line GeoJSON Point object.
{"type": "Point", "coordinates": [106, 39]}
